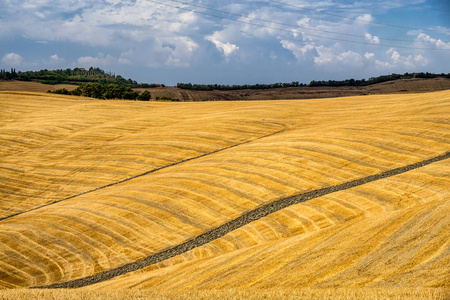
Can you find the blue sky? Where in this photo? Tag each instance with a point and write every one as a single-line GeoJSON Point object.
{"type": "Point", "coordinates": [228, 42]}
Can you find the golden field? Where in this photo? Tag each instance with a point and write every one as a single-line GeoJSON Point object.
{"type": "Point", "coordinates": [230, 294]}
{"type": "Point", "coordinates": [89, 185]}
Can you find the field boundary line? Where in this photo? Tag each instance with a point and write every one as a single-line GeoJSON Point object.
{"type": "Point", "coordinates": [145, 173]}
{"type": "Point", "coordinates": [232, 225]}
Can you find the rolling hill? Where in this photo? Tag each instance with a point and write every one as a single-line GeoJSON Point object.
{"type": "Point", "coordinates": [90, 186]}
{"type": "Point", "coordinates": [413, 85]}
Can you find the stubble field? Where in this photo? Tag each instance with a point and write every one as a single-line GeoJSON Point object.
{"type": "Point", "coordinates": [90, 186]}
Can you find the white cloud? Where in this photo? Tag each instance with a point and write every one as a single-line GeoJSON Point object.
{"type": "Point", "coordinates": [101, 61]}
{"type": "Point", "coordinates": [328, 58]}
{"type": "Point", "coordinates": [365, 18]}
{"type": "Point", "coordinates": [304, 22]}
{"type": "Point", "coordinates": [95, 23]}
{"type": "Point", "coordinates": [55, 61]}
{"type": "Point", "coordinates": [49, 6]}
{"type": "Point", "coordinates": [298, 51]}
{"type": "Point", "coordinates": [226, 48]}
{"type": "Point", "coordinates": [179, 51]}
{"type": "Point", "coordinates": [78, 30]}
{"type": "Point", "coordinates": [369, 55]}
{"type": "Point", "coordinates": [174, 52]}
{"type": "Point", "coordinates": [125, 57]}
{"type": "Point", "coordinates": [421, 60]}
{"type": "Point", "coordinates": [442, 29]}
{"type": "Point", "coordinates": [372, 39]}
{"type": "Point", "coordinates": [395, 57]}
{"type": "Point", "coordinates": [438, 43]}
{"type": "Point", "coordinates": [12, 59]}
{"type": "Point", "coordinates": [140, 34]}
{"type": "Point", "coordinates": [221, 39]}
{"type": "Point", "coordinates": [188, 17]}
{"type": "Point", "coordinates": [396, 61]}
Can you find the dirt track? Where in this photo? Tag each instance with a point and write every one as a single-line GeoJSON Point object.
{"type": "Point", "coordinates": [246, 218]}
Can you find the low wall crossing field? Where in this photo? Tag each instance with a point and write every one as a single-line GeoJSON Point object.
{"type": "Point", "coordinates": [249, 196]}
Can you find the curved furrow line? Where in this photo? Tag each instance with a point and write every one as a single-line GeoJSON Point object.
{"type": "Point", "coordinates": [138, 226]}
{"type": "Point", "coordinates": [97, 220]}
{"type": "Point", "coordinates": [274, 176]}
{"type": "Point", "coordinates": [317, 217]}
{"type": "Point", "coordinates": [44, 244]}
{"type": "Point", "coordinates": [105, 235]}
{"type": "Point", "coordinates": [379, 138]}
{"type": "Point", "coordinates": [333, 158]}
{"type": "Point", "coordinates": [6, 274]}
{"type": "Point", "coordinates": [241, 176]}
{"type": "Point", "coordinates": [354, 208]}
{"type": "Point", "coordinates": [157, 217]}
{"type": "Point", "coordinates": [244, 188]}
{"type": "Point", "coordinates": [211, 212]}
{"type": "Point", "coordinates": [337, 210]}
{"type": "Point", "coordinates": [300, 222]}
{"type": "Point", "coordinates": [365, 204]}
{"type": "Point", "coordinates": [96, 243]}
{"type": "Point", "coordinates": [146, 173]}
{"type": "Point", "coordinates": [328, 215]}
{"type": "Point", "coordinates": [13, 249]}
{"type": "Point", "coordinates": [293, 171]}
{"type": "Point", "coordinates": [334, 151]}
{"type": "Point", "coordinates": [264, 230]}
{"type": "Point", "coordinates": [285, 170]}
{"type": "Point", "coordinates": [244, 219]}
{"type": "Point", "coordinates": [88, 259]}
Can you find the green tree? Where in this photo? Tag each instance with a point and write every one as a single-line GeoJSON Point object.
{"type": "Point", "coordinates": [144, 96]}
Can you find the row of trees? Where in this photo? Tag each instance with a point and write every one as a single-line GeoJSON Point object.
{"type": "Point", "coordinates": [222, 87]}
{"type": "Point", "coordinates": [8, 75]}
{"type": "Point", "coordinates": [106, 91]}
{"type": "Point", "coordinates": [375, 80]}
{"type": "Point", "coordinates": [96, 75]}
{"type": "Point", "coordinates": [313, 83]}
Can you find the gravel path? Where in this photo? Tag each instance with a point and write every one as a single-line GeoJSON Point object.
{"type": "Point", "coordinates": [246, 218]}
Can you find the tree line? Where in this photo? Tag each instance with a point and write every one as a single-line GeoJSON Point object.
{"type": "Point", "coordinates": [83, 76]}
{"type": "Point", "coordinates": [313, 83]}
{"type": "Point", "coordinates": [8, 75]}
{"type": "Point", "coordinates": [379, 79]}
{"type": "Point", "coordinates": [223, 87]}
{"type": "Point", "coordinates": [106, 91]}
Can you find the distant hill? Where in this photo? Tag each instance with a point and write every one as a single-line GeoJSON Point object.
{"type": "Point", "coordinates": [44, 80]}
{"type": "Point", "coordinates": [74, 76]}
{"type": "Point", "coordinates": [313, 83]}
{"type": "Point", "coordinates": [413, 85]}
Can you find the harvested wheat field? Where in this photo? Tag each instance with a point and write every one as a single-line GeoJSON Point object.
{"type": "Point", "coordinates": [316, 199]}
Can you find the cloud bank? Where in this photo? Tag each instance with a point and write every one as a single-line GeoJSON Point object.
{"type": "Point", "coordinates": [326, 39]}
